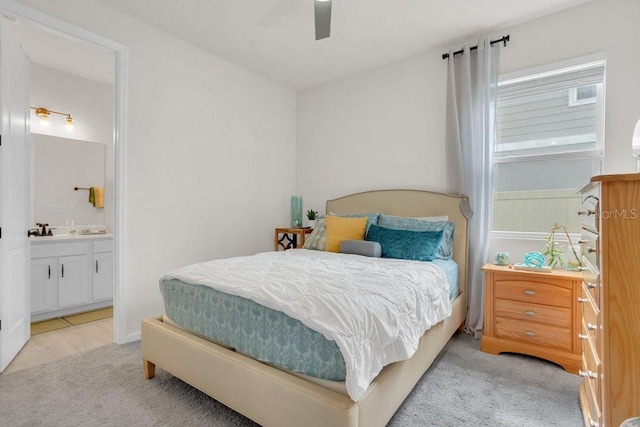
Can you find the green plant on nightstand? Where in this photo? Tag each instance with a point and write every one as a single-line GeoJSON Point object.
{"type": "Point", "coordinates": [312, 216]}
{"type": "Point", "coordinates": [553, 252]}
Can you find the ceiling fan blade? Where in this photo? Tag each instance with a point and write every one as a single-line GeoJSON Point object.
{"type": "Point", "coordinates": [323, 18]}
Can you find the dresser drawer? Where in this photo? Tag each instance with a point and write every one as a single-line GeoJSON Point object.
{"type": "Point", "coordinates": [544, 314]}
{"type": "Point", "coordinates": [590, 247]}
{"type": "Point", "coordinates": [590, 315]}
{"type": "Point", "coordinates": [590, 208]}
{"type": "Point", "coordinates": [533, 292]}
{"type": "Point", "coordinates": [533, 333]}
{"type": "Point", "coordinates": [591, 367]}
{"type": "Point", "coordinates": [591, 411]}
{"type": "Point", "coordinates": [591, 280]}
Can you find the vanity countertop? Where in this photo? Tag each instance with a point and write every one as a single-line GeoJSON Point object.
{"type": "Point", "coordinates": [69, 238]}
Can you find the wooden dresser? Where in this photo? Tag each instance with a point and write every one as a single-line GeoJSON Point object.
{"type": "Point", "coordinates": [610, 335]}
{"type": "Point", "coordinates": [533, 313]}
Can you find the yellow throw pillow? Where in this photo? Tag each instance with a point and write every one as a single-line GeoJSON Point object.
{"type": "Point", "coordinates": [341, 228]}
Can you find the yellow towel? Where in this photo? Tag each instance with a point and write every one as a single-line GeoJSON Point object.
{"type": "Point", "coordinates": [98, 196]}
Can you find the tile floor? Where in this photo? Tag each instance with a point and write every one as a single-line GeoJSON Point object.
{"type": "Point", "coordinates": [56, 345]}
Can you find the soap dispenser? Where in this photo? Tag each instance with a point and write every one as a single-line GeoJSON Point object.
{"type": "Point", "coordinates": [72, 228]}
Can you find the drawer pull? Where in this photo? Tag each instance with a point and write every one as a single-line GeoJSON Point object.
{"type": "Point", "coordinates": [580, 242]}
{"type": "Point", "coordinates": [590, 250]}
{"type": "Point", "coordinates": [583, 336]}
{"type": "Point", "coordinates": [591, 327]}
{"type": "Point", "coordinates": [530, 333]}
{"type": "Point", "coordinates": [591, 285]}
{"type": "Point", "coordinates": [587, 374]}
{"type": "Point", "coordinates": [583, 299]}
{"type": "Point", "coordinates": [530, 292]}
{"type": "Point", "coordinates": [530, 313]}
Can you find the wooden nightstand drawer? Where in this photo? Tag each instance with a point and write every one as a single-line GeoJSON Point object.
{"type": "Point", "coordinates": [533, 292]}
{"type": "Point", "coordinates": [533, 333]}
{"type": "Point", "coordinates": [544, 314]}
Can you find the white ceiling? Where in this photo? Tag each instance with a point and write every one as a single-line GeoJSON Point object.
{"type": "Point", "coordinates": [275, 38]}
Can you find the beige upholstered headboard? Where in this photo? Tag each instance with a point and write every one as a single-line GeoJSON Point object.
{"type": "Point", "coordinates": [414, 203]}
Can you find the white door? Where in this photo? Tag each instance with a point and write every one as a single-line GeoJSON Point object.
{"type": "Point", "coordinates": [15, 199]}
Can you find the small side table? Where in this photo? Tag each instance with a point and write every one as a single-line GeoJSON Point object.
{"type": "Point", "coordinates": [533, 313]}
{"type": "Point", "coordinates": [289, 238]}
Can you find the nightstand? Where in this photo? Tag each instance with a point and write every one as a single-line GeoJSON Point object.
{"type": "Point", "coordinates": [289, 238]}
{"type": "Point", "coordinates": [533, 313]}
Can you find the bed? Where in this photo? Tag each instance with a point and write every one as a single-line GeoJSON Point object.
{"type": "Point", "coordinates": [274, 397]}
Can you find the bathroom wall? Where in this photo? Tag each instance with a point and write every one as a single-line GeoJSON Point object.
{"type": "Point", "coordinates": [61, 164]}
{"type": "Point", "coordinates": [65, 159]}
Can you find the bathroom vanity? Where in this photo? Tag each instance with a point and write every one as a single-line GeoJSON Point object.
{"type": "Point", "coordinates": [70, 274]}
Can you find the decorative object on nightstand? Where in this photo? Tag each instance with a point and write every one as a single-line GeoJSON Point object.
{"type": "Point", "coordinates": [533, 312]}
{"type": "Point", "coordinates": [502, 258]}
{"type": "Point", "coordinates": [553, 251]}
{"type": "Point", "coordinates": [312, 216]}
{"type": "Point", "coordinates": [610, 299]}
{"type": "Point", "coordinates": [533, 261]}
{"type": "Point", "coordinates": [296, 211]}
{"type": "Point", "coordinates": [290, 238]}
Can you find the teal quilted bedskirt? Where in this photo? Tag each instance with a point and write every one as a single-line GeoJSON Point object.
{"type": "Point", "coordinates": [252, 329]}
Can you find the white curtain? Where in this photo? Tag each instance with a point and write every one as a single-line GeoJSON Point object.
{"type": "Point", "coordinates": [470, 133]}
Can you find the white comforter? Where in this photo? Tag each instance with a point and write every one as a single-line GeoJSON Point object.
{"type": "Point", "coordinates": [375, 309]}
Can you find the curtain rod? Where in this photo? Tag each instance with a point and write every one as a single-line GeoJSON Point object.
{"type": "Point", "coordinates": [504, 40]}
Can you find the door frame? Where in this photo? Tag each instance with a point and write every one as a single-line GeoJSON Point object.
{"type": "Point", "coordinates": [121, 52]}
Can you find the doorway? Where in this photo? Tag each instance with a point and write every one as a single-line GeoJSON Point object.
{"type": "Point", "coordinates": [53, 30]}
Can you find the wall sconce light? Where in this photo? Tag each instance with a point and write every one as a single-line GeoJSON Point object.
{"type": "Point", "coordinates": [44, 114]}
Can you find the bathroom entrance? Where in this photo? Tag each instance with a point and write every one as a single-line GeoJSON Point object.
{"type": "Point", "coordinates": [76, 93]}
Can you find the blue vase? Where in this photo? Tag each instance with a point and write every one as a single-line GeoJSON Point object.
{"type": "Point", "coordinates": [296, 211]}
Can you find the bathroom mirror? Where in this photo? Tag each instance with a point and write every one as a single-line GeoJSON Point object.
{"type": "Point", "coordinates": [61, 164]}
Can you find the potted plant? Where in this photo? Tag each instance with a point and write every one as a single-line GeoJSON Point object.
{"type": "Point", "coordinates": [312, 216]}
{"type": "Point", "coordinates": [553, 252]}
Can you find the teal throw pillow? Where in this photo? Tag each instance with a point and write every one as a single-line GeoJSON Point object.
{"type": "Point", "coordinates": [445, 251]}
{"type": "Point", "coordinates": [406, 244]}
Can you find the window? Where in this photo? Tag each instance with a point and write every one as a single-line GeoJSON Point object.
{"type": "Point", "coordinates": [582, 95]}
{"type": "Point", "coordinates": [548, 144]}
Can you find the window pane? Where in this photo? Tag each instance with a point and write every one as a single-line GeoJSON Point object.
{"type": "Point", "coordinates": [546, 122]}
{"type": "Point", "coordinates": [533, 195]}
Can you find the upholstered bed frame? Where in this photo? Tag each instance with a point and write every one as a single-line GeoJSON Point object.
{"type": "Point", "coordinates": [272, 397]}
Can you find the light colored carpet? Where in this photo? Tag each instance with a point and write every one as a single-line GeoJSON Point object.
{"type": "Point", "coordinates": [464, 387]}
{"type": "Point", "coordinates": [47, 326]}
{"type": "Point", "coordinates": [89, 316]}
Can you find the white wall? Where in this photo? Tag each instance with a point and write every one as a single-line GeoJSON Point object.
{"type": "Point", "coordinates": [379, 129]}
{"type": "Point", "coordinates": [210, 149]}
{"type": "Point", "coordinates": [385, 128]}
{"type": "Point", "coordinates": [90, 104]}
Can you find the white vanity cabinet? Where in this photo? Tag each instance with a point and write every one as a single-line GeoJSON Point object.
{"type": "Point", "coordinates": [102, 267]}
{"type": "Point", "coordinates": [70, 276]}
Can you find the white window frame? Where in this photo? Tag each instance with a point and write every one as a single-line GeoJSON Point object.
{"type": "Point", "coordinates": [596, 154]}
{"type": "Point", "coordinates": [574, 101]}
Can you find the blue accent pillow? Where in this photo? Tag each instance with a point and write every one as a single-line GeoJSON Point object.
{"type": "Point", "coordinates": [361, 247]}
{"type": "Point", "coordinates": [445, 251]}
{"type": "Point", "coordinates": [406, 244]}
